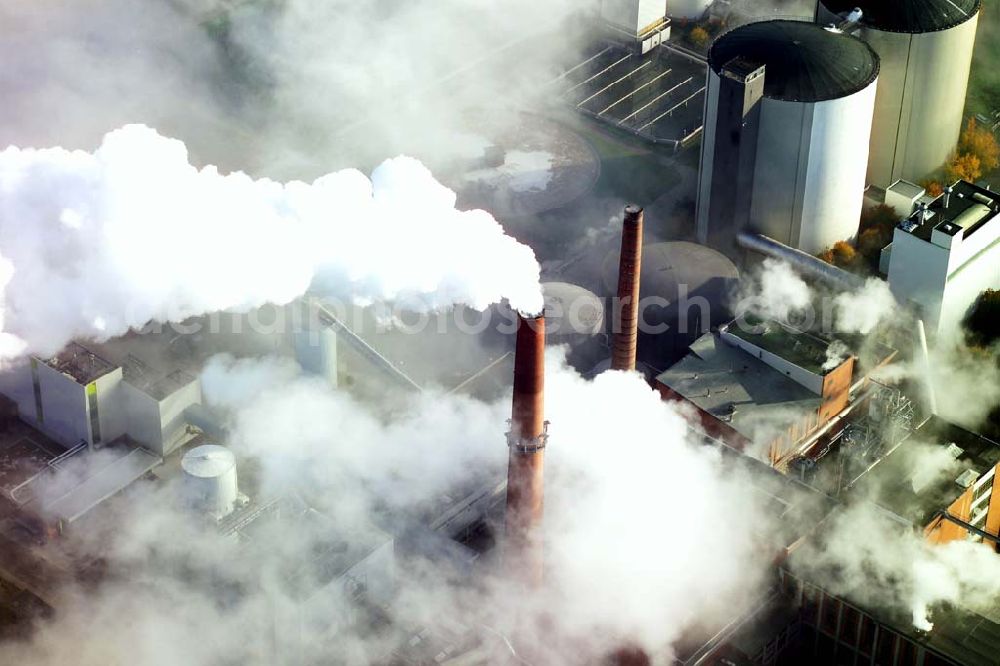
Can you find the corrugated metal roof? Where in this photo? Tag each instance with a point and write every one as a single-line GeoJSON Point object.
{"type": "Point", "coordinates": [804, 62]}
{"type": "Point", "coordinates": [913, 16]}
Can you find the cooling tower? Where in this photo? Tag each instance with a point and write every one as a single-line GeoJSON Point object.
{"type": "Point", "coordinates": [210, 480]}
{"type": "Point", "coordinates": [926, 52]}
{"type": "Point", "coordinates": [797, 144]}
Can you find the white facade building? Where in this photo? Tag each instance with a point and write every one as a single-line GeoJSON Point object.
{"type": "Point", "coordinates": [78, 396]}
{"type": "Point", "coordinates": [943, 256]}
{"type": "Point", "coordinates": [642, 23]}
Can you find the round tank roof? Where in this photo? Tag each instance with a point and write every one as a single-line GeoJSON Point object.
{"type": "Point", "coordinates": [804, 62]}
{"type": "Point", "coordinates": [208, 461]}
{"type": "Point", "coordinates": [913, 16]}
{"type": "Point", "coordinates": [571, 309]}
{"type": "Point", "coordinates": [667, 266]}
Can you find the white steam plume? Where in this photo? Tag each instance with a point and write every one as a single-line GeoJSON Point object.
{"type": "Point", "coordinates": [776, 292]}
{"type": "Point", "coordinates": [880, 563]}
{"type": "Point", "coordinates": [618, 492]}
{"type": "Point", "coordinates": [862, 310]}
{"type": "Point", "coordinates": [97, 243]}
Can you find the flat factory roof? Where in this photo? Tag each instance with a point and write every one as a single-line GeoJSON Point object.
{"type": "Point", "coordinates": [80, 364]}
{"type": "Point", "coordinates": [969, 209]}
{"type": "Point", "coordinates": [100, 483]}
{"type": "Point", "coordinates": [737, 388]}
{"type": "Point", "coordinates": [903, 486]}
{"type": "Point", "coordinates": [803, 349]}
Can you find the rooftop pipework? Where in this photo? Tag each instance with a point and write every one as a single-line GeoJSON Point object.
{"type": "Point", "coordinates": [526, 440]}
{"type": "Point", "coordinates": [626, 318]}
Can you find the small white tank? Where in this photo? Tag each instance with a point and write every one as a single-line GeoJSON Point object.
{"type": "Point", "coordinates": [210, 479]}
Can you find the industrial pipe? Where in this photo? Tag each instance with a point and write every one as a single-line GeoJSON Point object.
{"type": "Point", "coordinates": [799, 260]}
{"type": "Point", "coordinates": [526, 441]}
{"type": "Point", "coordinates": [626, 312]}
{"type": "Point", "coordinates": [925, 359]}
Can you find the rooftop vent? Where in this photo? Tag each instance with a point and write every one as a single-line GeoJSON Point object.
{"type": "Point", "coordinates": [967, 478]}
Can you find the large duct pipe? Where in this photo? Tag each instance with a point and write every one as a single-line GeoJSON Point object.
{"type": "Point", "coordinates": [926, 361]}
{"type": "Point", "coordinates": [799, 260]}
{"type": "Point", "coordinates": [626, 312]}
{"type": "Point", "coordinates": [526, 441]}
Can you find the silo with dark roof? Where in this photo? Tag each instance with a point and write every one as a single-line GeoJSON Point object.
{"type": "Point", "coordinates": [789, 162]}
{"type": "Point", "coordinates": [926, 51]}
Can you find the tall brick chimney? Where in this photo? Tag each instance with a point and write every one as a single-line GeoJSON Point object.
{"type": "Point", "coordinates": [626, 307]}
{"type": "Point", "coordinates": [526, 441]}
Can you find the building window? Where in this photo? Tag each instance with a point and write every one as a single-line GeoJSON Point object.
{"type": "Point", "coordinates": [95, 420]}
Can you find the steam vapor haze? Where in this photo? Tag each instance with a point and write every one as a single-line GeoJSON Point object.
{"type": "Point", "coordinates": [611, 533]}
{"type": "Point", "coordinates": [96, 243]}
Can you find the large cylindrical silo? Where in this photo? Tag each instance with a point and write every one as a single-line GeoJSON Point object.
{"type": "Point", "coordinates": [210, 480]}
{"type": "Point", "coordinates": [926, 51]}
{"type": "Point", "coordinates": [808, 130]}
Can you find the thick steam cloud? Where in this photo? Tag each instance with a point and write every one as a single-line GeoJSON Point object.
{"type": "Point", "coordinates": [94, 244]}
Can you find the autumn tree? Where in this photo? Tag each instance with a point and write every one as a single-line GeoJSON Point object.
{"type": "Point", "coordinates": [965, 166]}
{"type": "Point", "coordinates": [698, 36]}
{"type": "Point", "coordinates": [933, 187]}
{"type": "Point", "coordinates": [981, 142]}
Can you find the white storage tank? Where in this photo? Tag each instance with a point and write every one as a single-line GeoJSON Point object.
{"type": "Point", "coordinates": [210, 480]}
{"type": "Point", "coordinates": [810, 135]}
{"type": "Point", "coordinates": [926, 51]}
{"type": "Point", "coordinates": [571, 311]}
{"type": "Point", "coordinates": [574, 317]}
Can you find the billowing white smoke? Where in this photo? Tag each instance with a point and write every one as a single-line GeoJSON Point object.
{"type": "Point", "coordinates": [623, 485]}
{"type": "Point", "coordinates": [862, 310]}
{"type": "Point", "coordinates": [92, 244]}
{"type": "Point", "coordinates": [776, 292]}
{"type": "Point", "coordinates": [880, 563]}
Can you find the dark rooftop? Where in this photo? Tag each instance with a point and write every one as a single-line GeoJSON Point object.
{"type": "Point", "coordinates": [81, 364]}
{"type": "Point", "coordinates": [659, 95]}
{"type": "Point", "coordinates": [804, 62]}
{"type": "Point", "coordinates": [908, 15]}
{"type": "Point", "coordinates": [897, 484]}
{"type": "Point", "coordinates": [799, 347]}
{"type": "Point", "coordinates": [969, 209]}
{"type": "Point", "coordinates": [746, 393]}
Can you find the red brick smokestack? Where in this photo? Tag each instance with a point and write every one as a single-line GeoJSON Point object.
{"type": "Point", "coordinates": [626, 315]}
{"type": "Point", "coordinates": [526, 440]}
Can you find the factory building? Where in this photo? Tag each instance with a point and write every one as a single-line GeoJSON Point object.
{"type": "Point", "coordinates": [787, 119]}
{"type": "Point", "coordinates": [949, 501]}
{"type": "Point", "coordinates": [926, 52]}
{"type": "Point", "coordinates": [945, 254]}
{"type": "Point", "coordinates": [763, 388]}
{"type": "Point", "coordinates": [640, 24]}
{"type": "Point", "coordinates": [79, 396]}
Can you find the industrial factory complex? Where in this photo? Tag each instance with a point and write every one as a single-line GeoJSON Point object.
{"type": "Point", "coordinates": [769, 140]}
